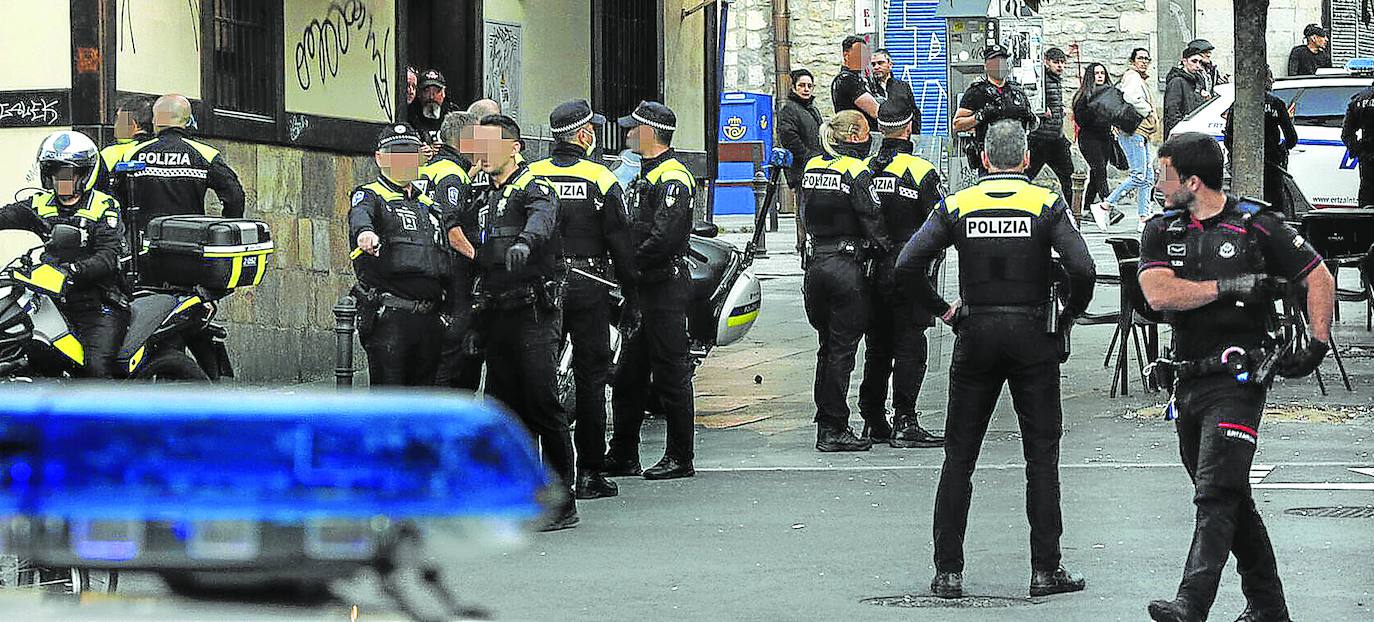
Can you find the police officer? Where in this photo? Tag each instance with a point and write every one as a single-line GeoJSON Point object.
{"type": "Point", "coordinates": [850, 90]}
{"type": "Point", "coordinates": [84, 281]}
{"type": "Point", "coordinates": [448, 184]}
{"type": "Point", "coordinates": [179, 169]}
{"type": "Point", "coordinates": [988, 100]}
{"type": "Point", "coordinates": [1357, 132]}
{"type": "Point", "coordinates": [844, 222]}
{"type": "Point", "coordinates": [1209, 260]}
{"type": "Point", "coordinates": [895, 342]}
{"type": "Point", "coordinates": [1004, 229]}
{"type": "Point", "coordinates": [400, 265]}
{"type": "Point", "coordinates": [596, 243]}
{"type": "Point", "coordinates": [660, 223]}
{"type": "Point", "coordinates": [1280, 136]}
{"type": "Point", "coordinates": [520, 289]}
{"type": "Point", "coordinates": [133, 125]}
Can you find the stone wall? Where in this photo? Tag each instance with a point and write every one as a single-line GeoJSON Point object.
{"type": "Point", "coordinates": [818, 29]}
{"type": "Point", "coordinates": [282, 330]}
{"type": "Point", "coordinates": [749, 47]}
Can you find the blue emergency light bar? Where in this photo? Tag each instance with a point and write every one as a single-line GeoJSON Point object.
{"type": "Point", "coordinates": [1360, 66]}
{"type": "Point", "coordinates": [129, 167]}
{"type": "Point", "coordinates": [157, 454]}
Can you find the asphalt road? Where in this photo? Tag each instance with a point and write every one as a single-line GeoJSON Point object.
{"type": "Point", "coordinates": [772, 530]}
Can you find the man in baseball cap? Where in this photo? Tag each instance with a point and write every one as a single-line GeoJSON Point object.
{"type": "Point", "coordinates": [427, 112]}
{"type": "Point", "coordinates": [1306, 59]}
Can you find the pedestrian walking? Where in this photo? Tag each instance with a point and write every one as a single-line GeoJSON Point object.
{"type": "Point", "coordinates": [1095, 137]}
{"type": "Point", "coordinates": [1185, 89]}
{"type": "Point", "coordinates": [1004, 229]}
{"type": "Point", "coordinates": [1209, 261]}
{"type": "Point", "coordinates": [1048, 145]}
{"type": "Point", "coordinates": [1136, 145]}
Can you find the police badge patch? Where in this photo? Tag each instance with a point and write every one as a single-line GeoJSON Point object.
{"type": "Point", "coordinates": [453, 197]}
{"type": "Point", "coordinates": [358, 197]}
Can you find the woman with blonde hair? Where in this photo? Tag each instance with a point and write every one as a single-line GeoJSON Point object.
{"type": "Point", "coordinates": [841, 210]}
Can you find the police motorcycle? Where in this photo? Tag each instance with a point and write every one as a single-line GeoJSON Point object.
{"type": "Point", "coordinates": [725, 294]}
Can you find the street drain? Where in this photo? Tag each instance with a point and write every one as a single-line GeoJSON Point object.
{"type": "Point", "coordinates": [926, 601]}
{"type": "Point", "coordinates": [1338, 511]}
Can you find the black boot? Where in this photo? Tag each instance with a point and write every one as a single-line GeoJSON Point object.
{"type": "Point", "coordinates": [907, 432]}
{"type": "Point", "coordinates": [616, 466]}
{"type": "Point", "coordinates": [564, 518]}
{"type": "Point", "coordinates": [1057, 581]}
{"type": "Point", "coordinates": [1172, 611]}
{"type": "Point", "coordinates": [670, 468]}
{"type": "Point", "coordinates": [594, 485]}
{"type": "Point", "coordinates": [1251, 614]}
{"type": "Point", "coordinates": [877, 429]}
{"type": "Point", "coordinates": [948, 585]}
{"type": "Point", "coordinates": [840, 439]}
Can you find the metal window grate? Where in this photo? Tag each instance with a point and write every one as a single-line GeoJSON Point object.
{"type": "Point", "coordinates": [242, 51]}
{"type": "Point", "coordinates": [629, 53]}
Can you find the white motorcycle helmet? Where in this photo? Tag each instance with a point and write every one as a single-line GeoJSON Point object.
{"type": "Point", "coordinates": [67, 149]}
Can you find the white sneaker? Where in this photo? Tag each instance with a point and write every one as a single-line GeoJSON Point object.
{"type": "Point", "coordinates": [1101, 211]}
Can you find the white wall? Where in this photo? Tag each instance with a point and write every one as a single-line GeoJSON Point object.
{"type": "Point", "coordinates": [556, 56]}
{"type": "Point", "coordinates": [1287, 18]}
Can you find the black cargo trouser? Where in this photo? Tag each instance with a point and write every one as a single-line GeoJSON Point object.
{"type": "Point", "coordinates": [1057, 152]}
{"type": "Point", "coordinates": [1366, 196]}
{"type": "Point", "coordinates": [1097, 151]}
{"type": "Point", "coordinates": [522, 372]}
{"type": "Point", "coordinates": [990, 350]}
{"type": "Point", "coordinates": [660, 350]}
{"type": "Point", "coordinates": [1218, 422]}
{"type": "Point", "coordinates": [587, 319]}
{"type": "Point", "coordinates": [100, 328]}
{"type": "Point", "coordinates": [454, 366]}
{"type": "Point", "coordinates": [895, 348]}
{"type": "Point", "coordinates": [836, 299]}
{"type": "Point", "coordinates": [402, 346]}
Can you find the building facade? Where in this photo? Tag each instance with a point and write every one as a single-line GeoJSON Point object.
{"type": "Point", "coordinates": [293, 92]}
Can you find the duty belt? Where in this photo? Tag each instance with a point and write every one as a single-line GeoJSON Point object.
{"type": "Point", "coordinates": [1036, 310]}
{"type": "Point", "coordinates": [392, 301]}
{"type": "Point", "coordinates": [839, 246]}
{"type": "Point", "coordinates": [1234, 361]}
{"type": "Point", "coordinates": [590, 264]}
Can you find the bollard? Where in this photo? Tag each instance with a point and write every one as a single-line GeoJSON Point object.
{"type": "Point", "coordinates": [760, 191]}
{"type": "Point", "coordinates": [1080, 182]}
{"type": "Point", "coordinates": [345, 323]}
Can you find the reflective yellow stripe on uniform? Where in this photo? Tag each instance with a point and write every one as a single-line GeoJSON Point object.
{"type": "Point", "coordinates": [69, 346]}
{"type": "Point", "coordinates": [907, 163]}
{"type": "Point", "coordinates": [442, 168]}
{"type": "Point", "coordinates": [672, 170]}
{"type": "Point", "coordinates": [137, 358]}
{"type": "Point", "coordinates": [582, 169]}
{"type": "Point", "coordinates": [1012, 194]}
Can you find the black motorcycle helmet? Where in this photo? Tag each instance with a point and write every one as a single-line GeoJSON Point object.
{"type": "Point", "coordinates": [67, 149]}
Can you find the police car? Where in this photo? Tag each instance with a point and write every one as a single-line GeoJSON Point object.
{"type": "Point", "coordinates": [1323, 168]}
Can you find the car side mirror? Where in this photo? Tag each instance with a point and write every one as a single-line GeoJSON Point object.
{"type": "Point", "coordinates": [65, 238]}
{"type": "Point", "coordinates": [705, 229]}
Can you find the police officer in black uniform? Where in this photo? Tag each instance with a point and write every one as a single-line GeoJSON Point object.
{"type": "Point", "coordinates": [1357, 132]}
{"type": "Point", "coordinates": [660, 223]}
{"type": "Point", "coordinates": [596, 245]}
{"type": "Point", "coordinates": [449, 185]}
{"type": "Point", "coordinates": [84, 281]}
{"type": "Point", "coordinates": [895, 343]}
{"type": "Point", "coordinates": [1004, 229]}
{"type": "Point", "coordinates": [991, 99]}
{"type": "Point", "coordinates": [179, 169]}
{"type": "Point", "coordinates": [850, 90]}
{"type": "Point", "coordinates": [520, 292]}
{"type": "Point", "coordinates": [400, 265]}
{"type": "Point", "coordinates": [1209, 261]}
{"type": "Point", "coordinates": [844, 224]}
{"type": "Point", "coordinates": [133, 125]}
{"type": "Point", "coordinates": [1280, 136]}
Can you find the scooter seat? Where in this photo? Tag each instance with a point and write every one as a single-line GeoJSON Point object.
{"type": "Point", "coordinates": [146, 314]}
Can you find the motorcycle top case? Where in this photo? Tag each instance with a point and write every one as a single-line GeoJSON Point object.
{"type": "Point", "coordinates": [214, 253]}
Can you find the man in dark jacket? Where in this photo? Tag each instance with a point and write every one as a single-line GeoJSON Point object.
{"type": "Point", "coordinates": [179, 169]}
{"type": "Point", "coordinates": [426, 112]}
{"type": "Point", "coordinates": [1306, 59]}
{"type": "Point", "coordinates": [799, 131]}
{"type": "Point", "coordinates": [1047, 142]}
{"type": "Point", "coordinates": [885, 87]}
{"type": "Point", "coordinates": [1184, 90]}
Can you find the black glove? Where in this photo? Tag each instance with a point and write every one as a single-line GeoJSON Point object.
{"type": "Point", "coordinates": [630, 320]}
{"type": "Point", "coordinates": [516, 256]}
{"type": "Point", "coordinates": [1247, 288]}
{"type": "Point", "coordinates": [1302, 362]}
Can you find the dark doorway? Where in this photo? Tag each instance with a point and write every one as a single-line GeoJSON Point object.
{"type": "Point", "coordinates": [445, 34]}
{"type": "Point", "coordinates": [627, 63]}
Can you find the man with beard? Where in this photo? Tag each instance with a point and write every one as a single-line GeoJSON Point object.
{"type": "Point", "coordinates": [426, 112]}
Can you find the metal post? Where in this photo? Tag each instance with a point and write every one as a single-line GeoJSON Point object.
{"type": "Point", "coordinates": [760, 191]}
{"type": "Point", "coordinates": [1080, 182]}
{"type": "Point", "coordinates": [345, 323]}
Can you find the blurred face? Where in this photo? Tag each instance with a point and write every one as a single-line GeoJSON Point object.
{"type": "Point", "coordinates": [1206, 57]}
{"type": "Point", "coordinates": [1055, 66]}
{"type": "Point", "coordinates": [494, 151]}
{"type": "Point", "coordinates": [804, 86]}
{"type": "Point", "coordinates": [638, 138]}
{"type": "Point", "coordinates": [1193, 64]}
{"type": "Point", "coordinates": [64, 182]}
{"type": "Point", "coordinates": [1178, 193]}
{"type": "Point", "coordinates": [467, 142]}
{"type": "Point", "coordinates": [400, 164]}
{"type": "Point", "coordinates": [124, 128]}
{"type": "Point", "coordinates": [1099, 75]}
{"type": "Point", "coordinates": [998, 68]}
{"type": "Point", "coordinates": [856, 57]}
{"type": "Point", "coordinates": [881, 65]}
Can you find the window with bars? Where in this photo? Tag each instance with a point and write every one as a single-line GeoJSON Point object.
{"type": "Point", "coordinates": [628, 63]}
{"type": "Point", "coordinates": [242, 57]}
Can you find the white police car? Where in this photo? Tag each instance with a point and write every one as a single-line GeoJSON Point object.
{"type": "Point", "coordinates": [1320, 164]}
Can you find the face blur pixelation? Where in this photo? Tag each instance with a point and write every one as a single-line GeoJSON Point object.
{"type": "Point", "coordinates": [124, 125]}
{"type": "Point", "coordinates": [997, 67]}
{"type": "Point", "coordinates": [64, 182]}
{"type": "Point", "coordinates": [400, 164]}
{"type": "Point", "coordinates": [493, 151]}
{"type": "Point", "coordinates": [1175, 190]}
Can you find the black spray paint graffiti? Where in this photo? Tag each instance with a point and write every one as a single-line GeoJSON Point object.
{"type": "Point", "coordinates": [126, 23]}
{"type": "Point", "coordinates": [324, 42]}
{"type": "Point", "coordinates": [296, 125]}
{"type": "Point", "coordinates": [34, 111]}
{"type": "Point", "coordinates": [503, 70]}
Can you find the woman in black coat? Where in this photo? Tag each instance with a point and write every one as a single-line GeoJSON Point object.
{"type": "Point", "coordinates": [799, 125]}
{"type": "Point", "coordinates": [1095, 138]}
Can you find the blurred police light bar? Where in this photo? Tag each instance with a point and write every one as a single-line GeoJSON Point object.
{"type": "Point", "coordinates": [221, 475]}
{"type": "Point", "coordinates": [1360, 66]}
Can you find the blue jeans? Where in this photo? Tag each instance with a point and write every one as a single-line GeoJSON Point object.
{"type": "Point", "coordinates": [1142, 178]}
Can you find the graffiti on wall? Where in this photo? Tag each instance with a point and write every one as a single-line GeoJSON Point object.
{"type": "Point", "coordinates": [501, 60]}
{"type": "Point", "coordinates": [339, 58]}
